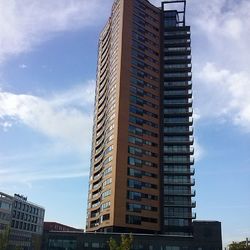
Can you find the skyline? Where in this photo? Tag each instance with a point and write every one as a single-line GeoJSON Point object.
{"type": "Point", "coordinates": [38, 77]}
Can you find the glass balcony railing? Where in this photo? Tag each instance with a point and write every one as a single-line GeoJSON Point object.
{"type": "Point", "coordinates": [181, 215]}
{"type": "Point", "coordinates": [177, 41]}
{"type": "Point", "coordinates": [180, 204]}
{"type": "Point", "coordinates": [178, 110]}
{"type": "Point", "coordinates": [168, 170]}
{"type": "Point", "coordinates": [178, 130]}
{"type": "Point", "coordinates": [190, 182]}
{"type": "Point", "coordinates": [176, 49]}
{"type": "Point", "coordinates": [177, 57]}
{"type": "Point", "coordinates": [178, 75]}
{"type": "Point", "coordinates": [188, 101]}
{"type": "Point", "coordinates": [180, 192]}
{"type": "Point", "coordinates": [183, 139]}
{"type": "Point", "coordinates": [176, 33]}
{"type": "Point", "coordinates": [177, 66]}
{"type": "Point", "coordinates": [178, 120]}
{"type": "Point", "coordinates": [178, 159]}
{"type": "Point", "coordinates": [177, 92]}
{"type": "Point", "coordinates": [178, 84]}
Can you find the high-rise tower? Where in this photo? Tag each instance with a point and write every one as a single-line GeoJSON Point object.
{"type": "Point", "coordinates": [140, 175]}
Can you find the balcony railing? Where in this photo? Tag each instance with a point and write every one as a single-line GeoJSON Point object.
{"type": "Point", "coordinates": [180, 182]}
{"type": "Point", "coordinates": [179, 192]}
{"type": "Point", "coordinates": [179, 102]}
{"type": "Point", "coordinates": [179, 57]}
{"type": "Point", "coordinates": [178, 92]}
{"type": "Point", "coordinates": [178, 160]}
{"type": "Point", "coordinates": [180, 204]}
{"type": "Point", "coordinates": [178, 130]}
{"type": "Point", "coordinates": [177, 41]}
{"type": "Point", "coordinates": [178, 139]}
{"type": "Point", "coordinates": [190, 171]}
{"type": "Point", "coordinates": [178, 84]}
{"type": "Point", "coordinates": [178, 75]}
{"type": "Point", "coordinates": [181, 215]}
{"type": "Point", "coordinates": [170, 111]}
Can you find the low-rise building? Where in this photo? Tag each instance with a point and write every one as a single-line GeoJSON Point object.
{"type": "Point", "coordinates": [5, 211]}
{"type": "Point", "coordinates": [55, 226]}
{"type": "Point", "coordinates": [24, 219]}
{"type": "Point", "coordinates": [206, 236]}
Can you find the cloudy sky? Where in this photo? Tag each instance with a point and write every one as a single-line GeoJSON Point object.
{"type": "Point", "coordinates": [48, 52]}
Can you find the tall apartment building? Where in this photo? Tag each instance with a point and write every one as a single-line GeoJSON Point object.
{"type": "Point", "coordinates": [141, 174]}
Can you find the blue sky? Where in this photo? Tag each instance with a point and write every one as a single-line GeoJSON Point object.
{"type": "Point", "coordinates": [47, 78]}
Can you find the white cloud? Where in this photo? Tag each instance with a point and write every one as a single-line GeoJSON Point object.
{"type": "Point", "coordinates": [58, 117]}
{"type": "Point", "coordinates": [199, 151]}
{"type": "Point", "coordinates": [65, 118]}
{"type": "Point", "coordinates": [224, 94]}
{"type": "Point", "coordinates": [25, 24]}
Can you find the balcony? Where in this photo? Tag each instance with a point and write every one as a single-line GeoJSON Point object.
{"type": "Point", "coordinates": [174, 85]}
{"type": "Point", "coordinates": [172, 121]}
{"type": "Point", "coordinates": [178, 102]}
{"type": "Point", "coordinates": [191, 193]}
{"type": "Point", "coordinates": [179, 171]}
{"type": "Point", "coordinates": [180, 76]}
{"type": "Point", "coordinates": [178, 130]}
{"type": "Point", "coordinates": [96, 195]}
{"type": "Point", "coordinates": [178, 160]}
{"type": "Point", "coordinates": [178, 140]}
{"type": "Point", "coordinates": [93, 215]}
{"type": "Point", "coordinates": [98, 185]}
{"type": "Point", "coordinates": [97, 204]}
{"type": "Point", "coordinates": [177, 58]}
{"type": "Point", "coordinates": [179, 182]}
{"type": "Point", "coordinates": [181, 216]}
{"type": "Point", "coordinates": [180, 93]}
{"type": "Point", "coordinates": [177, 41]}
{"type": "Point", "coordinates": [178, 111]}
{"type": "Point", "coordinates": [172, 68]}
{"type": "Point", "coordinates": [174, 33]}
{"type": "Point", "coordinates": [96, 177]}
{"type": "Point", "coordinates": [180, 204]}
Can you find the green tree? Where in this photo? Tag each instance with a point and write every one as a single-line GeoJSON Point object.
{"type": "Point", "coordinates": [4, 238]}
{"type": "Point", "coordinates": [125, 244]}
{"type": "Point", "coordinates": [239, 246]}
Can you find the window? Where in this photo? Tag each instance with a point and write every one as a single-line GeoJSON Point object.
{"type": "Point", "coordinates": [141, 83]}
{"type": "Point", "coordinates": [132, 219]}
{"type": "Point", "coordinates": [135, 151]}
{"type": "Point", "coordinates": [105, 217]}
{"type": "Point", "coordinates": [105, 205]}
{"type": "Point", "coordinates": [140, 121]}
{"type": "Point", "coordinates": [132, 207]}
{"type": "Point", "coordinates": [139, 173]}
{"type": "Point", "coordinates": [134, 195]}
{"type": "Point", "coordinates": [139, 131]}
{"type": "Point", "coordinates": [139, 184]}
{"type": "Point", "coordinates": [107, 160]}
{"type": "Point", "coordinates": [139, 141]}
{"type": "Point", "coordinates": [107, 171]}
{"type": "Point", "coordinates": [139, 163]}
{"type": "Point", "coordinates": [107, 182]}
{"type": "Point", "coordinates": [106, 193]}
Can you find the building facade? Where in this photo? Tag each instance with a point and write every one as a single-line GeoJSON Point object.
{"type": "Point", "coordinates": [55, 226]}
{"type": "Point", "coordinates": [141, 175]}
{"type": "Point", "coordinates": [5, 211]}
{"type": "Point", "coordinates": [24, 219]}
{"type": "Point", "coordinates": [206, 236]}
